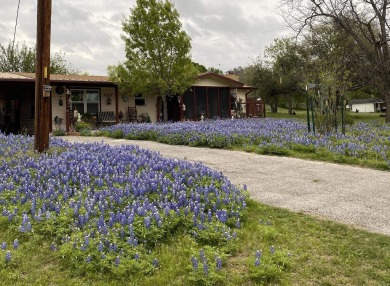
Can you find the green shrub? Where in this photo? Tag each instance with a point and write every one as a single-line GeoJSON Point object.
{"type": "Point", "coordinates": [82, 126]}
{"type": "Point", "coordinates": [117, 134]}
{"type": "Point", "coordinates": [59, 132]}
{"type": "Point", "coordinates": [85, 132]}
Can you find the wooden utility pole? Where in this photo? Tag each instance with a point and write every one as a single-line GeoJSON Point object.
{"type": "Point", "coordinates": [42, 76]}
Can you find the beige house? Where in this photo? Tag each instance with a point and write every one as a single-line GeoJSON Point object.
{"type": "Point", "coordinates": [217, 96]}
{"type": "Point", "coordinates": [211, 96]}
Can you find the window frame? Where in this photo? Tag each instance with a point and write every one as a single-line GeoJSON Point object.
{"type": "Point", "coordinates": [84, 101]}
{"type": "Point", "coordinates": [139, 100]}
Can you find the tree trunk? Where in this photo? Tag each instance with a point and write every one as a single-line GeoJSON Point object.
{"type": "Point", "coordinates": [165, 104]}
{"type": "Point", "coordinates": [289, 104]}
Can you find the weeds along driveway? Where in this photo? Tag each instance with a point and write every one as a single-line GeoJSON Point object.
{"type": "Point", "coordinates": [351, 195]}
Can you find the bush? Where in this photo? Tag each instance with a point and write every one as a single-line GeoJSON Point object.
{"type": "Point", "coordinates": [85, 132]}
{"type": "Point", "coordinates": [59, 132]}
{"type": "Point", "coordinates": [82, 126]}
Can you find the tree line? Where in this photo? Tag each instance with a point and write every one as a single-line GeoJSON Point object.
{"type": "Point", "coordinates": [19, 57]}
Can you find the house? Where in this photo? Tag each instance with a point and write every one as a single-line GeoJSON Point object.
{"type": "Point", "coordinates": [367, 105]}
{"type": "Point", "coordinates": [211, 96]}
{"type": "Point", "coordinates": [218, 96]}
{"type": "Point", "coordinates": [87, 94]}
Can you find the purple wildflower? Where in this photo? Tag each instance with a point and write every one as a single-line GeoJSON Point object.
{"type": "Point", "coordinates": [8, 256]}
{"type": "Point", "coordinates": [219, 263]}
{"type": "Point", "coordinates": [155, 262]}
{"type": "Point", "coordinates": [257, 262]}
{"type": "Point", "coordinates": [16, 244]}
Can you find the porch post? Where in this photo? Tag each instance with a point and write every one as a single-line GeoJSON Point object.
{"type": "Point", "coordinates": [194, 94]}
{"type": "Point", "coordinates": [116, 104]}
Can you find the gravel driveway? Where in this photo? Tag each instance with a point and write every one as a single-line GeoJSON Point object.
{"type": "Point", "coordinates": [352, 195]}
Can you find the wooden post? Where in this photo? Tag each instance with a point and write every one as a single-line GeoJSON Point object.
{"type": "Point", "coordinates": [42, 76]}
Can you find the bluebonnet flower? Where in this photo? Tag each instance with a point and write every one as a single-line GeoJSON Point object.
{"type": "Point", "coordinates": [257, 262]}
{"type": "Point", "coordinates": [100, 246]}
{"type": "Point", "coordinates": [155, 262]}
{"type": "Point", "coordinates": [147, 222]}
{"type": "Point", "coordinates": [3, 245]}
{"type": "Point", "coordinates": [205, 268]}
{"type": "Point", "coordinates": [194, 263]}
{"type": "Point", "coordinates": [258, 254]}
{"type": "Point", "coordinates": [16, 243]}
{"type": "Point", "coordinates": [8, 256]}
{"type": "Point", "coordinates": [5, 212]}
{"type": "Point", "coordinates": [53, 247]}
{"type": "Point", "coordinates": [219, 263]}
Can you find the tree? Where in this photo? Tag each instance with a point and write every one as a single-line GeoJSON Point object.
{"type": "Point", "coordinates": [288, 61]}
{"type": "Point", "coordinates": [260, 75]}
{"type": "Point", "coordinates": [366, 21]}
{"type": "Point", "coordinates": [201, 68]}
{"type": "Point", "coordinates": [22, 59]}
{"type": "Point", "coordinates": [334, 63]}
{"type": "Point", "coordinates": [158, 60]}
{"type": "Point", "coordinates": [15, 59]}
{"type": "Point", "coordinates": [215, 70]}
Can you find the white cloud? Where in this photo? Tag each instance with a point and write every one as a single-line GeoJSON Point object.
{"type": "Point", "coordinates": [225, 33]}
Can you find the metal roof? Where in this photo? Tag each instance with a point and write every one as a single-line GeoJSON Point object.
{"type": "Point", "coordinates": [365, 100]}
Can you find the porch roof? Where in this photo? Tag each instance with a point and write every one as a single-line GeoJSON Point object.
{"type": "Point", "coordinates": [57, 78]}
{"type": "Point", "coordinates": [232, 83]}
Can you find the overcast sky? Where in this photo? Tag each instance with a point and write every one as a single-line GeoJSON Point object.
{"type": "Point", "coordinates": [224, 33]}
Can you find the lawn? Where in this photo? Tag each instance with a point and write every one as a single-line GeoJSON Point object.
{"type": "Point", "coordinates": [369, 117]}
{"type": "Point", "coordinates": [90, 214]}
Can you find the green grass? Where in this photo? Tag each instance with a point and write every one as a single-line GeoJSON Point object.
{"type": "Point", "coordinates": [301, 114]}
{"type": "Point", "coordinates": [283, 113]}
{"type": "Point", "coordinates": [320, 252]}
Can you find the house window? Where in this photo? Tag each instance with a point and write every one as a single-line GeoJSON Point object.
{"type": "Point", "coordinates": [140, 100]}
{"type": "Point", "coordinates": [85, 100]}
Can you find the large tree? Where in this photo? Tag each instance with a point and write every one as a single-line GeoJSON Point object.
{"type": "Point", "coordinates": [158, 60]}
{"type": "Point", "coordinates": [260, 75]}
{"type": "Point", "coordinates": [21, 58]}
{"type": "Point", "coordinates": [287, 59]}
{"type": "Point", "coordinates": [366, 21]}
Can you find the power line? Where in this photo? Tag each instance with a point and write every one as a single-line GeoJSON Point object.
{"type": "Point", "coordinates": [16, 24]}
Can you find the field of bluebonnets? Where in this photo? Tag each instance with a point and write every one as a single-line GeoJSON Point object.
{"type": "Point", "coordinates": [366, 144]}
{"type": "Point", "coordinates": [105, 209]}
{"type": "Point", "coordinates": [122, 213]}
